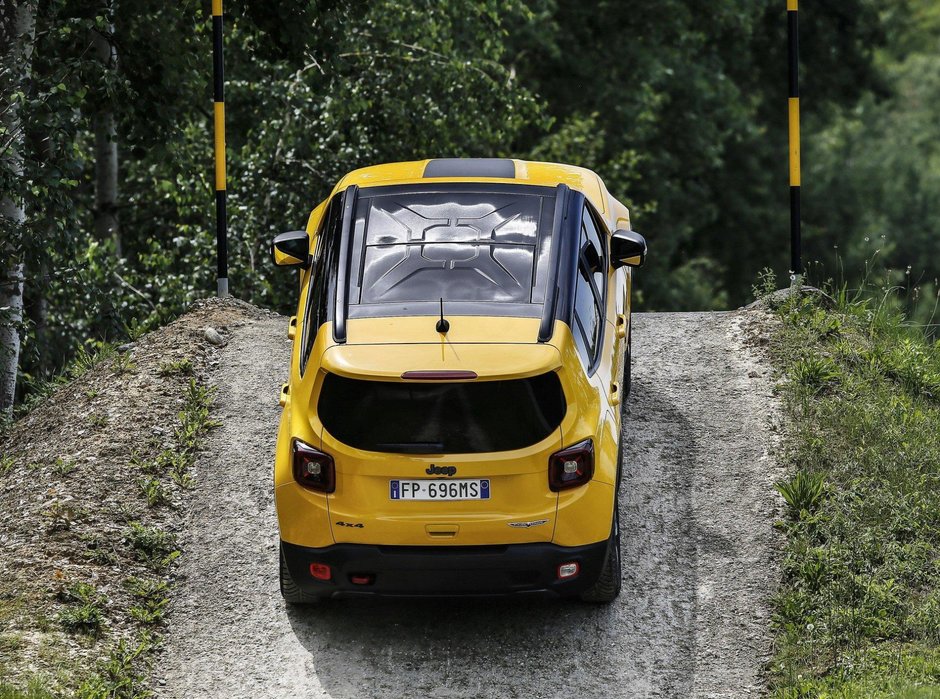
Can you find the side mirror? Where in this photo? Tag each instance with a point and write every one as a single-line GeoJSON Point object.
{"type": "Point", "coordinates": [627, 249]}
{"type": "Point", "coordinates": [291, 249]}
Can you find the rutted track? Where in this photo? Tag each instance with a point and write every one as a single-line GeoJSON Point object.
{"type": "Point", "coordinates": [698, 552]}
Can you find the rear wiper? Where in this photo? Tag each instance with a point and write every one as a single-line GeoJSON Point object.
{"type": "Point", "coordinates": [413, 447]}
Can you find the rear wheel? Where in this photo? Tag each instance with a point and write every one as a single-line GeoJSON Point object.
{"type": "Point", "coordinates": [627, 361]}
{"type": "Point", "coordinates": [290, 591]}
{"type": "Point", "coordinates": [607, 587]}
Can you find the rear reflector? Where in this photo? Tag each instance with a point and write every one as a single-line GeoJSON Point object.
{"type": "Point", "coordinates": [438, 375]}
{"type": "Point", "coordinates": [320, 571]}
{"type": "Point", "coordinates": [361, 579]}
{"type": "Point", "coordinates": [568, 570]}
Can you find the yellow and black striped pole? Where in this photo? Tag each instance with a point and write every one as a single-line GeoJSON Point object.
{"type": "Point", "coordinates": [221, 222]}
{"type": "Point", "coordinates": [796, 263]}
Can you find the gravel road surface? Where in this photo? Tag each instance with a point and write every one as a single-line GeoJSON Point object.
{"type": "Point", "coordinates": [698, 552]}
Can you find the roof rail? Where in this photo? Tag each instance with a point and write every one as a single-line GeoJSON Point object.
{"type": "Point", "coordinates": [547, 325]}
{"type": "Point", "coordinates": [342, 276]}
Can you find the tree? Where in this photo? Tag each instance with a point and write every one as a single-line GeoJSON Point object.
{"type": "Point", "coordinates": [17, 34]}
{"type": "Point", "coordinates": [106, 145]}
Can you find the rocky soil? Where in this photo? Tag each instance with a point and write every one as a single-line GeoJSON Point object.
{"type": "Point", "coordinates": [71, 475]}
{"type": "Point", "coordinates": [699, 553]}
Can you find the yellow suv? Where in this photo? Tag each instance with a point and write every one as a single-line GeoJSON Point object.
{"type": "Point", "coordinates": [451, 423]}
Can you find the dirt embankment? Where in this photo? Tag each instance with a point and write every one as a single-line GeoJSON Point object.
{"type": "Point", "coordinates": [93, 483]}
{"type": "Point", "coordinates": [698, 551]}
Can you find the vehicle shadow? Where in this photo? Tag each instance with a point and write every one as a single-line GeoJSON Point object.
{"type": "Point", "coordinates": [641, 645]}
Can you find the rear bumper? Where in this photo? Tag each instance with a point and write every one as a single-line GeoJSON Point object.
{"type": "Point", "coordinates": [445, 570]}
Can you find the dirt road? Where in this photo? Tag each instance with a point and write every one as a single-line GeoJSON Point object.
{"type": "Point", "coordinates": [698, 553]}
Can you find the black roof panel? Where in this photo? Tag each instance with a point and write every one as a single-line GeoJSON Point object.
{"type": "Point", "coordinates": [471, 167]}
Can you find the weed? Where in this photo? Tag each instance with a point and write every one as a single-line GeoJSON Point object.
{"type": "Point", "coordinates": [815, 373]}
{"type": "Point", "coordinates": [92, 393]}
{"type": "Point", "coordinates": [802, 492]}
{"type": "Point", "coordinates": [10, 642]}
{"type": "Point", "coordinates": [98, 551]}
{"type": "Point", "coordinates": [97, 420]}
{"type": "Point", "coordinates": [152, 545]}
{"type": "Point", "coordinates": [152, 599]}
{"type": "Point", "coordinates": [86, 360]}
{"type": "Point", "coordinates": [118, 676]}
{"type": "Point", "coordinates": [194, 418]}
{"type": "Point", "coordinates": [136, 329]}
{"type": "Point", "coordinates": [63, 467]}
{"type": "Point", "coordinates": [6, 464]}
{"type": "Point", "coordinates": [123, 364]}
{"type": "Point", "coordinates": [36, 688]}
{"type": "Point", "coordinates": [61, 516]}
{"type": "Point", "coordinates": [152, 489]}
{"type": "Point", "coordinates": [181, 367]}
{"type": "Point", "coordinates": [84, 611]}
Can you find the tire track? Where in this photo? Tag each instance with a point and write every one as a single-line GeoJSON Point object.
{"type": "Point", "coordinates": [698, 552]}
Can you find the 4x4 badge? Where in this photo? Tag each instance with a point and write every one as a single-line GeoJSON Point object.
{"type": "Point", "coordinates": [440, 470]}
{"type": "Point", "coordinates": [526, 525]}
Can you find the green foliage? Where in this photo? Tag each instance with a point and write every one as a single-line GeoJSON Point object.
{"type": "Point", "coordinates": [682, 121]}
{"type": "Point", "coordinates": [35, 689]}
{"type": "Point", "coordinates": [63, 467]}
{"type": "Point", "coordinates": [152, 545]}
{"type": "Point", "coordinates": [151, 599]}
{"type": "Point", "coordinates": [858, 614]}
{"type": "Point", "coordinates": [119, 676]}
{"type": "Point", "coordinates": [802, 492]}
{"type": "Point", "coordinates": [194, 418]}
{"type": "Point", "coordinates": [815, 373]}
{"type": "Point", "coordinates": [84, 612]}
{"type": "Point", "coordinates": [154, 491]}
{"type": "Point", "coordinates": [181, 367]}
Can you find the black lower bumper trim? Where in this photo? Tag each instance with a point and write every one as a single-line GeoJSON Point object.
{"type": "Point", "coordinates": [444, 570]}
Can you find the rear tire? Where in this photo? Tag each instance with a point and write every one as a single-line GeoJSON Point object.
{"type": "Point", "coordinates": [607, 587]}
{"type": "Point", "coordinates": [627, 361]}
{"type": "Point", "coordinates": [290, 591]}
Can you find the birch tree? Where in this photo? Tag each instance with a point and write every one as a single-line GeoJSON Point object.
{"type": "Point", "coordinates": [17, 34]}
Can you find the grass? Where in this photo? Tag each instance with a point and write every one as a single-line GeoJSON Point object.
{"type": "Point", "coordinates": [858, 613]}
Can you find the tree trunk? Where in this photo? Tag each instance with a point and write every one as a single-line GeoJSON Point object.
{"type": "Point", "coordinates": [17, 33]}
{"type": "Point", "coordinates": [106, 152]}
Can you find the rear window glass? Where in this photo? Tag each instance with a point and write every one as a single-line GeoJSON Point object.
{"type": "Point", "coordinates": [462, 246]}
{"type": "Point", "coordinates": [441, 418]}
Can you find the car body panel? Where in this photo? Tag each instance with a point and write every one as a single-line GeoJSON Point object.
{"type": "Point", "coordinates": [521, 509]}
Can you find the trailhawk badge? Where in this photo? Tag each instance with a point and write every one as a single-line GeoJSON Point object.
{"type": "Point", "coordinates": [526, 525]}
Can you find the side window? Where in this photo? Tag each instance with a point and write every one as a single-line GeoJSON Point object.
{"type": "Point", "coordinates": [589, 292]}
{"type": "Point", "coordinates": [322, 274]}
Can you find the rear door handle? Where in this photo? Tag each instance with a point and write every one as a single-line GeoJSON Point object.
{"type": "Point", "coordinates": [285, 395]}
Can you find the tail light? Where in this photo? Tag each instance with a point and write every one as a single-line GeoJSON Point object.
{"type": "Point", "coordinates": [313, 468]}
{"type": "Point", "coordinates": [571, 467]}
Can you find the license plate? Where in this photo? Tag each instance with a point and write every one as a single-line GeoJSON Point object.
{"type": "Point", "coordinates": [437, 489]}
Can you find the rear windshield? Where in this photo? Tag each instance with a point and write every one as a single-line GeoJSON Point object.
{"type": "Point", "coordinates": [441, 418]}
{"type": "Point", "coordinates": [465, 247]}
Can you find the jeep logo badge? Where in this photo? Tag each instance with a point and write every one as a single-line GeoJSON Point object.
{"type": "Point", "coordinates": [433, 470]}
